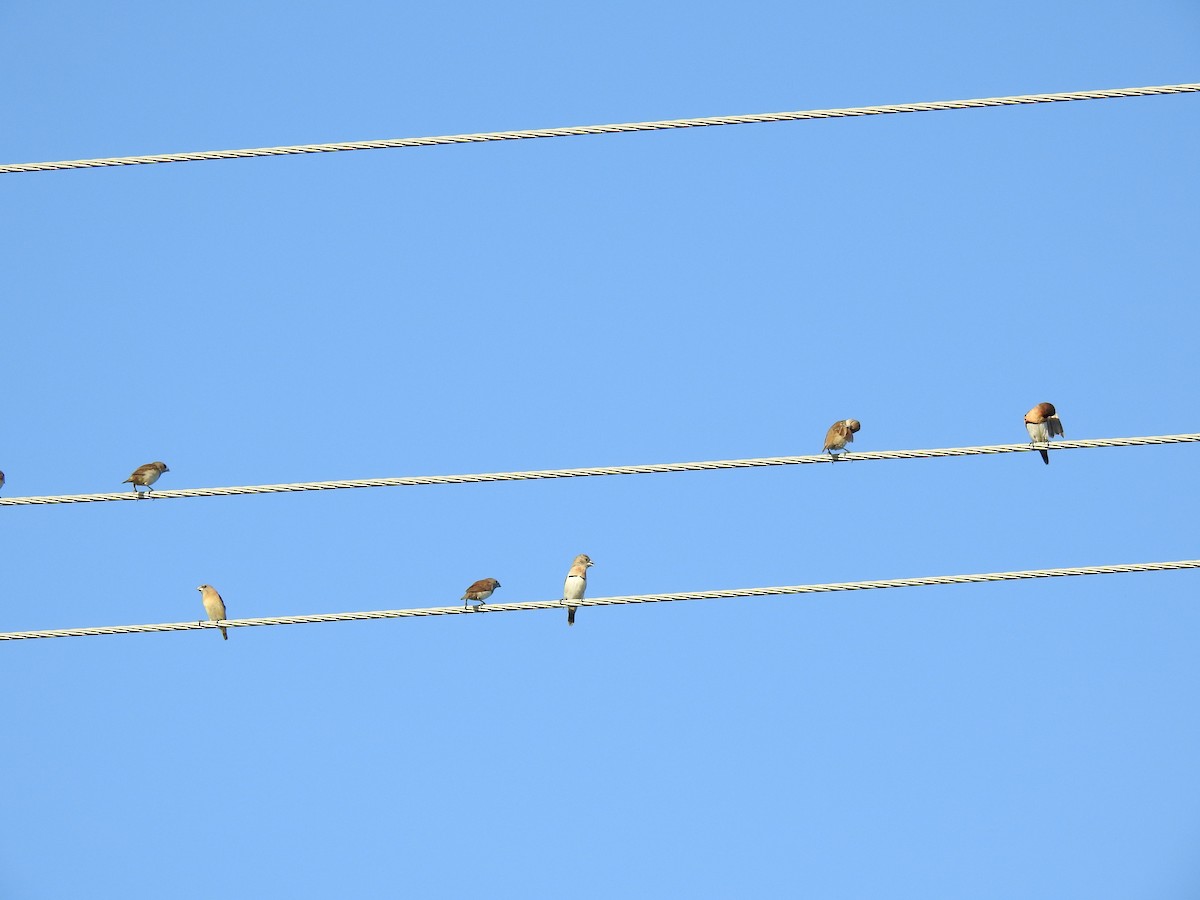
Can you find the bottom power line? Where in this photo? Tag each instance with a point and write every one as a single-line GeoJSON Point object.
{"type": "Point", "coordinates": [608, 601]}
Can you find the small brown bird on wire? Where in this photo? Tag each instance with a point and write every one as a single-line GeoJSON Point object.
{"type": "Point", "coordinates": [145, 476]}
{"type": "Point", "coordinates": [480, 591]}
{"type": "Point", "coordinates": [839, 435]}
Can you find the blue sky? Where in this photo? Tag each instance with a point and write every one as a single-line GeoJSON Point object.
{"type": "Point", "coordinates": [592, 301]}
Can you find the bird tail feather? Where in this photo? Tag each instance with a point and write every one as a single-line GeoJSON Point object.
{"type": "Point", "coordinates": [1045, 456]}
{"type": "Point", "coordinates": [224, 634]}
{"type": "Point", "coordinates": [571, 614]}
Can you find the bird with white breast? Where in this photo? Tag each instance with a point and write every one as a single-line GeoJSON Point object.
{"type": "Point", "coordinates": [145, 476]}
{"type": "Point", "coordinates": [576, 584]}
{"type": "Point", "coordinates": [480, 591]}
{"type": "Point", "coordinates": [1042, 424]}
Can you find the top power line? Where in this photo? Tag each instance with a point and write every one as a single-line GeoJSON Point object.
{"type": "Point", "coordinates": [660, 125]}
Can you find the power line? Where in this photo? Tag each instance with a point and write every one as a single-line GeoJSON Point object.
{"type": "Point", "coordinates": [660, 125]}
{"type": "Point", "coordinates": [607, 601]}
{"type": "Point", "coordinates": [653, 468]}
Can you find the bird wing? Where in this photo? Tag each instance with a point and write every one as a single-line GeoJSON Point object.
{"type": "Point", "coordinates": [141, 473]}
{"type": "Point", "coordinates": [835, 435]}
{"type": "Point", "coordinates": [1055, 426]}
{"type": "Point", "coordinates": [479, 587]}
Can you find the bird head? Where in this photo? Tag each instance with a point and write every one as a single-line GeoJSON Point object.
{"type": "Point", "coordinates": [1040, 413]}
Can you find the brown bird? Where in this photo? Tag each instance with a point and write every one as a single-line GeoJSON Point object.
{"type": "Point", "coordinates": [1042, 424]}
{"type": "Point", "coordinates": [839, 435]}
{"type": "Point", "coordinates": [146, 475]}
{"type": "Point", "coordinates": [480, 591]}
{"type": "Point", "coordinates": [576, 584]}
{"type": "Point", "coordinates": [214, 606]}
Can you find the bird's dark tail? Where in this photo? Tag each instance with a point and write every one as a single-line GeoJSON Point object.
{"type": "Point", "coordinates": [224, 635]}
{"type": "Point", "coordinates": [571, 614]}
{"type": "Point", "coordinates": [1045, 456]}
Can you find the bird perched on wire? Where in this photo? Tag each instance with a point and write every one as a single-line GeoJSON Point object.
{"type": "Point", "coordinates": [1042, 424]}
{"type": "Point", "coordinates": [214, 606]}
{"type": "Point", "coordinates": [146, 475]}
{"type": "Point", "coordinates": [480, 591]}
{"type": "Point", "coordinates": [1, 479]}
{"type": "Point", "coordinates": [839, 435]}
{"type": "Point", "coordinates": [576, 584]}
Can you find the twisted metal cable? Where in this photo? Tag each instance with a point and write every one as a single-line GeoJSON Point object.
{"type": "Point", "coordinates": [538, 475]}
{"type": "Point", "coordinates": [661, 125]}
{"type": "Point", "coordinates": [606, 601]}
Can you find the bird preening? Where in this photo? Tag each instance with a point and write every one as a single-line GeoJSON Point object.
{"type": "Point", "coordinates": [840, 434]}
{"type": "Point", "coordinates": [1042, 424]}
{"type": "Point", "coordinates": [145, 476]}
{"type": "Point", "coordinates": [576, 584]}
{"type": "Point", "coordinates": [480, 591]}
{"type": "Point", "coordinates": [214, 606]}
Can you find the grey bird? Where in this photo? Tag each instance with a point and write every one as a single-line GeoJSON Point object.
{"type": "Point", "coordinates": [214, 606]}
{"type": "Point", "coordinates": [480, 591]}
{"type": "Point", "coordinates": [576, 584]}
{"type": "Point", "coordinates": [1042, 424]}
{"type": "Point", "coordinates": [840, 434]}
{"type": "Point", "coordinates": [146, 475]}
{"type": "Point", "coordinates": [1, 479]}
